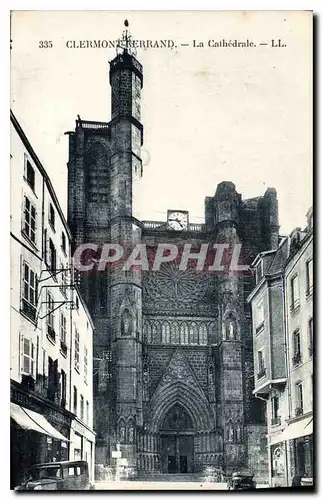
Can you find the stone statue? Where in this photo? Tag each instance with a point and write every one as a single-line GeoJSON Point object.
{"type": "Point", "coordinates": [131, 435]}
{"type": "Point", "coordinates": [126, 323]}
{"type": "Point", "coordinates": [239, 433]}
{"type": "Point", "coordinates": [231, 330]}
{"type": "Point", "coordinates": [230, 432]}
{"type": "Point", "coordinates": [117, 446]}
{"type": "Point", "coordinates": [122, 433]}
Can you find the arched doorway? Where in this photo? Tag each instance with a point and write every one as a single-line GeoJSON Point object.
{"type": "Point", "coordinates": [177, 441]}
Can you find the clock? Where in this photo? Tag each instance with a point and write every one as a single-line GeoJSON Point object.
{"type": "Point", "coordinates": [177, 219]}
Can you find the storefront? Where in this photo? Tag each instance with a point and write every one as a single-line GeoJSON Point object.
{"type": "Point", "coordinates": [291, 452]}
{"type": "Point", "coordinates": [40, 431]}
{"type": "Point", "coordinates": [82, 445]}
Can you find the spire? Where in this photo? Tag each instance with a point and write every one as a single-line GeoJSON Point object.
{"type": "Point", "coordinates": [125, 42]}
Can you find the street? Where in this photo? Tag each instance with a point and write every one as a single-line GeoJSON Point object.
{"type": "Point", "coordinates": [150, 485]}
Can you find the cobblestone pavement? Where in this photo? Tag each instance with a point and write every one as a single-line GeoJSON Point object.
{"type": "Point", "coordinates": [160, 485]}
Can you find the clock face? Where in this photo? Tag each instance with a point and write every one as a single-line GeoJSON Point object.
{"type": "Point", "coordinates": [178, 220]}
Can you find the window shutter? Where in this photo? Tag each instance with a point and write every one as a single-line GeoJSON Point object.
{"type": "Point", "coordinates": [33, 360]}
{"type": "Point", "coordinates": [46, 249]}
{"type": "Point", "coordinates": [21, 349]}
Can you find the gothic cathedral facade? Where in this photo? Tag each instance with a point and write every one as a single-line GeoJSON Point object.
{"type": "Point", "coordinates": [173, 371]}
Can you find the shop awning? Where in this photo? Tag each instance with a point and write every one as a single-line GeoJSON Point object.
{"type": "Point", "coordinates": [32, 421]}
{"type": "Point", "coordinates": [294, 430]}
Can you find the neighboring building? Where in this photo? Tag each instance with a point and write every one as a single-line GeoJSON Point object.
{"type": "Point", "coordinates": [173, 348]}
{"type": "Point", "coordinates": [282, 311]}
{"type": "Point", "coordinates": [44, 314]}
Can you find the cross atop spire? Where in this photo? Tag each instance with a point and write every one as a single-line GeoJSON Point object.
{"type": "Point", "coordinates": [125, 42]}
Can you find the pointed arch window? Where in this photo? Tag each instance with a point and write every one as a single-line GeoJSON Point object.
{"type": "Point", "coordinates": [148, 334]}
{"type": "Point", "coordinates": [203, 334]}
{"type": "Point", "coordinates": [165, 333]}
{"type": "Point", "coordinates": [154, 338]}
{"type": "Point", "coordinates": [175, 333]}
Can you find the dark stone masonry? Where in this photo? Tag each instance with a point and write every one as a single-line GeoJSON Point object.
{"type": "Point", "coordinates": [173, 370]}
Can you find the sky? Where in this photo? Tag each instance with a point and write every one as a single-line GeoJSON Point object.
{"type": "Point", "coordinates": [209, 113]}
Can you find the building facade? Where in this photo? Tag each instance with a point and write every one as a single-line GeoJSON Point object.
{"type": "Point", "coordinates": [46, 311]}
{"type": "Point", "coordinates": [282, 311]}
{"type": "Point", "coordinates": [173, 347]}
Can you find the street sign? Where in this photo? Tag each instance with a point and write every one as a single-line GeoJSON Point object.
{"type": "Point", "coordinates": [116, 454]}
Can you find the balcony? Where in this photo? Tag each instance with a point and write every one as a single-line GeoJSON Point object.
{"type": "Point", "coordinates": [309, 292]}
{"type": "Point", "coordinates": [297, 359]}
{"type": "Point", "coordinates": [260, 327]}
{"type": "Point", "coordinates": [63, 348]}
{"type": "Point", "coordinates": [310, 351]}
{"type": "Point", "coordinates": [28, 309]}
{"type": "Point", "coordinates": [51, 333]}
{"type": "Point", "coordinates": [298, 411]}
{"type": "Point", "coordinates": [261, 373]}
{"type": "Point", "coordinates": [276, 421]}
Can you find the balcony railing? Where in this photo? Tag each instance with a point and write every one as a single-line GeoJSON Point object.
{"type": "Point", "coordinates": [297, 359]}
{"type": "Point", "coordinates": [309, 291]}
{"type": "Point", "coordinates": [261, 373]}
{"type": "Point", "coordinates": [51, 333]}
{"type": "Point", "coordinates": [92, 124]}
{"type": "Point", "coordinates": [276, 421]}
{"type": "Point", "coordinates": [151, 224]}
{"type": "Point", "coordinates": [198, 228]}
{"type": "Point", "coordinates": [28, 309]}
{"type": "Point", "coordinates": [310, 351]}
{"type": "Point", "coordinates": [260, 327]}
{"type": "Point", "coordinates": [298, 411]}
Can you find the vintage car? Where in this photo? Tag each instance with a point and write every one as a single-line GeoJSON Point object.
{"type": "Point", "coordinates": [242, 481]}
{"type": "Point", "coordinates": [57, 476]}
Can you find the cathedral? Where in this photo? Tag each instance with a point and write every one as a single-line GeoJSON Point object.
{"type": "Point", "coordinates": [173, 370]}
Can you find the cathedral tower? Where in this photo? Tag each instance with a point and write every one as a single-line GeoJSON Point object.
{"type": "Point", "coordinates": [125, 284]}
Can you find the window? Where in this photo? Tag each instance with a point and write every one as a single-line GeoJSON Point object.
{"type": "Point", "coordinates": [259, 316]}
{"type": "Point", "coordinates": [30, 220]}
{"type": "Point", "coordinates": [63, 242]}
{"type": "Point", "coordinates": [63, 382]}
{"type": "Point", "coordinates": [29, 292]}
{"type": "Point", "coordinates": [74, 400]}
{"type": "Point", "coordinates": [53, 379]}
{"type": "Point", "coordinates": [309, 277]}
{"type": "Point", "coordinates": [295, 293]}
{"type": "Point", "coordinates": [30, 174]}
{"type": "Point", "coordinates": [275, 419]}
{"type": "Point", "coordinates": [261, 364]}
{"type": "Point", "coordinates": [63, 332]}
{"type": "Point", "coordinates": [27, 357]}
{"type": "Point", "coordinates": [296, 347]}
{"type": "Point", "coordinates": [87, 413]}
{"type": "Point", "coordinates": [82, 407]}
{"type": "Point", "coordinates": [77, 350]}
{"type": "Point", "coordinates": [51, 216]}
{"type": "Point", "coordinates": [258, 272]}
{"type": "Point", "coordinates": [85, 364]}
{"type": "Point", "coordinates": [299, 399]}
{"type": "Point", "coordinates": [50, 316]}
{"type": "Point", "coordinates": [310, 337]}
{"type": "Point", "coordinates": [52, 255]}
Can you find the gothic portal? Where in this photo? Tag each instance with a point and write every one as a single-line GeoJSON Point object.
{"type": "Point", "coordinates": [173, 372]}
